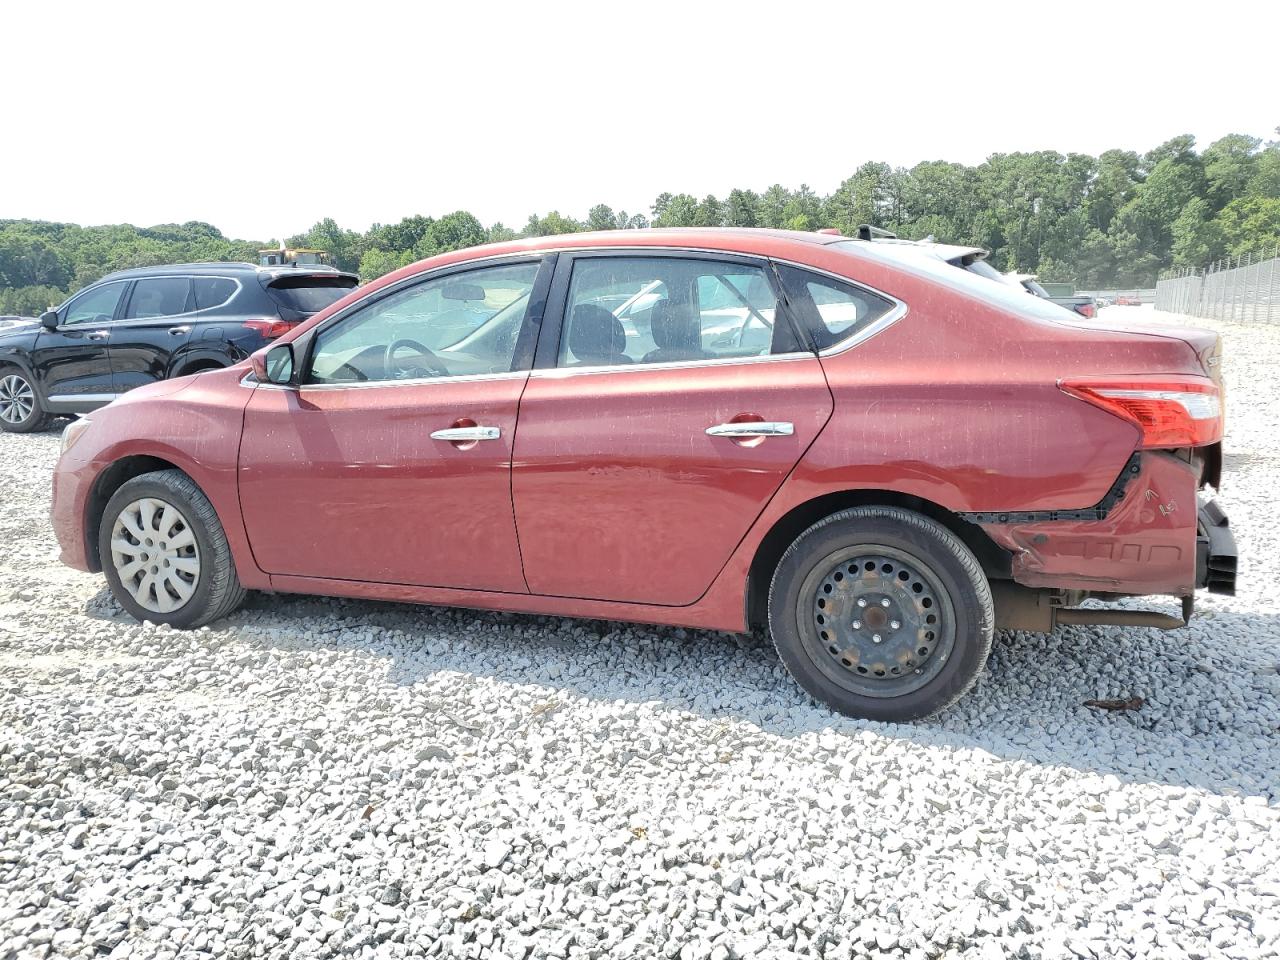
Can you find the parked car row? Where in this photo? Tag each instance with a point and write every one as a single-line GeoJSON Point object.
{"type": "Point", "coordinates": [711, 428]}
{"type": "Point", "coordinates": [139, 326]}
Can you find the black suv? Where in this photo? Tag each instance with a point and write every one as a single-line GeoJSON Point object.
{"type": "Point", "coordinates": [152, 323]}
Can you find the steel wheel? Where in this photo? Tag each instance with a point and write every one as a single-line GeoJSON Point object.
{"type": "Point", "coordinates": [155, 554]}
{"type": "Point", "coordinates": [881, 622]}
{"type": "Point", "coordinates": [17, 399]}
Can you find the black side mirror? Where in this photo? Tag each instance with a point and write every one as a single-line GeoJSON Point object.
{"type": "Point", "coordinates": [49, 319]}
{"type": "Point", "coordinates": [274, 364]}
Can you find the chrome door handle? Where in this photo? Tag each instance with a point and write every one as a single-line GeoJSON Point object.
{"type": "Point", "coordinates": [467, 433]}
{"type": "Point", "coordinates": [747, 428]}
{"type": "Point", "coordinates": [179, 331]}
{"type": "Point", "coordinates": [99, 334]}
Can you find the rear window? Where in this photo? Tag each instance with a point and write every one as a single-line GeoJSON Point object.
{"type": "Point", "coordinates": [213, 291]}
{"type": "Point", "coordinates": [832, 310]}
{"type": "Point", "coordinates": [308, 295]}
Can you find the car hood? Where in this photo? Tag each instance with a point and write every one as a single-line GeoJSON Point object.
{"type": "Point", "coordinates": [18, 327]}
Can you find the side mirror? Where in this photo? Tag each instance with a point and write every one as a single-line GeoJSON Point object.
{"type": "Point", "coordinates": [49, 319]}
{"type": "Point", "coordinates": [274, 364]}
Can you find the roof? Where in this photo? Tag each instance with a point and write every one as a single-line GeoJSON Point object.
{"type": "Point", "coordinates": [222, 269]}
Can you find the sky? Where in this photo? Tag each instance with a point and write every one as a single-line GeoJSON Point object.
{"type": "Point", "coordinates": [262, 118]}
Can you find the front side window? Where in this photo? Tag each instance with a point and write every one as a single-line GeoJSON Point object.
{"type": "Point", "coordinates": [833, 311]}
{"type": "Point", "coordinates": [94, 306]}
{"type": "Point", "coordinates": [637, 310]}
{"type": "Point", "coordinates": [158, 297]}
{"type": "Point", "coordinates": [458, 325]}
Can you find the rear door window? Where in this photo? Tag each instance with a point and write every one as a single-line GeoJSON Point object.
{"type": "Point", "coordinates": [302, 296]}
{"type": "Point", "coordinates": [158, 297]}
{"type": "Point", "coordinates": [637, 310]}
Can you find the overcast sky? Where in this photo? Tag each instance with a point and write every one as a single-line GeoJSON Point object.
{"type": "Point", "coordinates": [263, 117]}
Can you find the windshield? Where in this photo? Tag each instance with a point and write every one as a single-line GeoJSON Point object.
{"type": "Point", "coordinates": [308, 295]}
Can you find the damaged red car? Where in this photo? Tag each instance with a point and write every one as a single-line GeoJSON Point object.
{"type": "Point", "coordinates": [879, 456]}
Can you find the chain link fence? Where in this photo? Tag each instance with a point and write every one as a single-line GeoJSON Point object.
{"type": "Point", "coordinates": [1239, 288]}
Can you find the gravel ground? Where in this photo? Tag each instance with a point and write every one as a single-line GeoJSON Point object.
{"type": "Point", "coordinates": [317, 777]}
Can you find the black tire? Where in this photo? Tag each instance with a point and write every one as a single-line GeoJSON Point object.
{"type": "Point", "coordinates": [217, 590]}
{"type": "Point", "coordinates": [15, 384]}
{"type": "Point", "coordinates": [931, 603]}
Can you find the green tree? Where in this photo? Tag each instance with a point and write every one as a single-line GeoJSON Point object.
{"type": "Point", "coordinates": [601, 217]}
{"type": "Point", "coordinates": [550, 225]}
{"type": "Point", "coordinates": [742, 209]}
{"type": "Point", "coordinates": [375, 263]}
{"type": "Point", "coordinates": [680, 210]}
{"type": "Point", "coordinates": [454, 231]}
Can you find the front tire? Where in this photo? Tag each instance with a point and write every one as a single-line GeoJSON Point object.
{"type": "Point", "coordinates": [20, 410]}
{"type": "Point", "coordinates": [165, 554]}
{"type": "Point", "coordinates": [881, 613]}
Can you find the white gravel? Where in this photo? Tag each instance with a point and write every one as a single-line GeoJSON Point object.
{"type": "Point", "coordinates": [324, 778]}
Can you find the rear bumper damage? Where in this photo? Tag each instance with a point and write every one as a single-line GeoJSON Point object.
{"type": "Point", "coordinates": [1157, 538]}
{"type": "Point", "coordinates": [1215, 551]}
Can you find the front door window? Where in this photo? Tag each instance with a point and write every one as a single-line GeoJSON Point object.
{"type": "Point", "coordinates": [97, 305]}
{"type": "Point", "coordinates": [459, 325]}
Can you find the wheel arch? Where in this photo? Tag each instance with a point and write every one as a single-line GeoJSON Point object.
{"type": "Point", "coordinates": [995, 561]}
{"type": "Point", "coordinates": [193, 361]}
{"type": "Point", "coordinates": [104, 487]}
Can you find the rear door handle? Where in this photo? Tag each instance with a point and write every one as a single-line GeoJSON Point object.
{"type": "Point", "coordinates": [179, 331]}
{"type": "Point", "coordinates": [99, 334]}
{"type": "Point", "coordinates": [747, 428]}
{"type": "Point", "coordinates": [466, 434]}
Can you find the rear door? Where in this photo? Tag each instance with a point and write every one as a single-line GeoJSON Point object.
{"type": "Point", "coordinates": [154, 326]}
{"type": "Point", "coordinates": [72, 363]}
{"type": "Point", "coordinates": [645, 452]}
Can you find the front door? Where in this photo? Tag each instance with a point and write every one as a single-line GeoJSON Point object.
{"type": "Point", "coordinates": [154, 325]}
{"type": "Point", "coordinates": [72, 362]}
{"type": "Point", "coordinates": [391, 463]}
{"type": "Point", "coordinates": [647, 449]}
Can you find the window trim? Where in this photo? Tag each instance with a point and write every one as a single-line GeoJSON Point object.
{"type": "Point", "coordinates": [526, 341]}
{"type": "Point", "coordinates": [547, 358]}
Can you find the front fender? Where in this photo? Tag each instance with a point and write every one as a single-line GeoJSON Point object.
{"type": "Point", "coordinates": [192, 424]}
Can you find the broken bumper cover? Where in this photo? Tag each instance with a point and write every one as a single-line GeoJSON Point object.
{"type": "Point", "coordinates": [1215, 551]}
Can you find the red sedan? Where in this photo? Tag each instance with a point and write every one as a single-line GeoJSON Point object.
{"type": "Point", "coordinates": [881, 456]}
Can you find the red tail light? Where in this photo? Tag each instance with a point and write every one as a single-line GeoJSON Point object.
{"type": "Point", "coordinates": [270, 329]}
{"type": "Point", "coordinates": [1171, 411]}
{"type": "Point", "coordinates": [1086, 310]}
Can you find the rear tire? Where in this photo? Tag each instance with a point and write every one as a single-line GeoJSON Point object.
{"type": "Point", "coordinates": [165, 554]}
{"type": "Point", "coordinates": [881, 613]}
{"type": "Point", "coordinates": [20, 410]}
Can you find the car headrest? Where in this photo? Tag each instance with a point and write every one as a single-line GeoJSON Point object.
{"type": "Point", "coordinates": [675, 328]}
{"type": "Point", "coordinates": [595, 334]}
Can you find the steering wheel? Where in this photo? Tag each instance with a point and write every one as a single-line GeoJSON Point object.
{"type": "Point", "coordinates": [429, 365]}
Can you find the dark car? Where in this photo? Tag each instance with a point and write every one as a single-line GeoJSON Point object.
{"type": "Point", "coordinates": [138, 326]}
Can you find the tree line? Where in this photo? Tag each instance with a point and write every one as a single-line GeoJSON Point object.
{"type": "Point", "coordinates": [1116, 220]}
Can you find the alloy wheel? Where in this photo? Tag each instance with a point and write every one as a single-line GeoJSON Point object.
{"type": "Point", "coordinates": [155, 554]}
{"type": "Point", "coordinates": [17, 399]}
